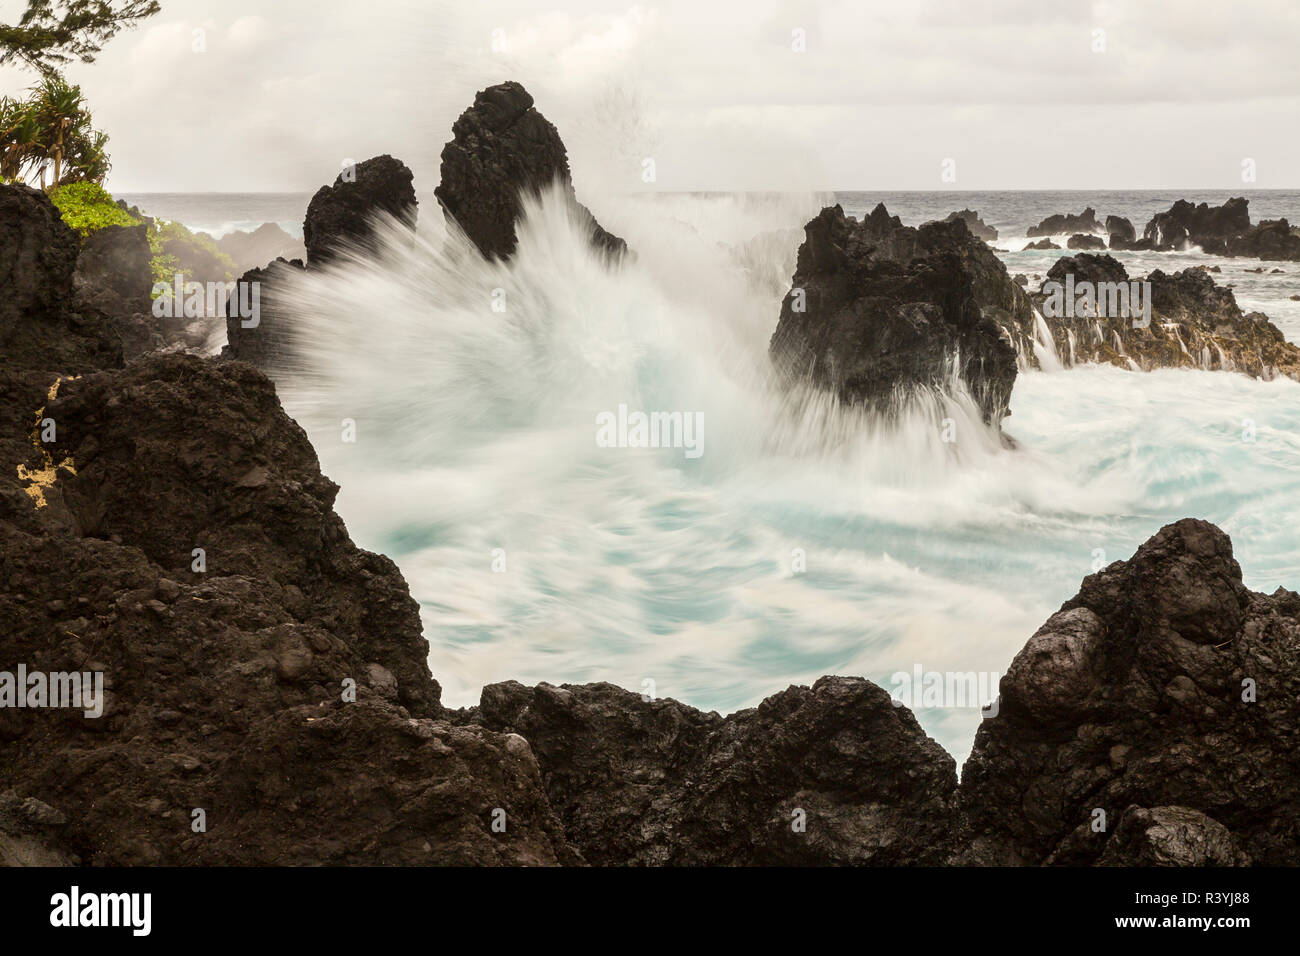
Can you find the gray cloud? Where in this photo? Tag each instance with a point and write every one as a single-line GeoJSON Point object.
{"type": "Point", "coordinates": [712, 91]}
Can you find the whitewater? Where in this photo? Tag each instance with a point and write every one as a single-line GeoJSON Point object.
{"type": "Point", "coordinates": [808, 538]}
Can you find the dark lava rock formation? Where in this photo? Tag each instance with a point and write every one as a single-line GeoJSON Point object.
{"type": "Point", "coordinates": [828, 774]}
{"type": "Point", "coordinates": [1081, 241]}
{"type": "Point", "coordinates": [1186, 223]}
{"type": "Point", "coordinates": [1163, 700]}
{"type": "Point", "coordinates": [1063, 223]}
{"type": "Point", "coordinates": [38, 258]}
{"type": "Point", "coordinates": [503, 149]}
{"type": "Point", "coordinates": [268, 699]}
{"type": "Point", "coordinates": [1223, 230]}
{"type": "Point", "coordinates": [228, 668]}
{"type": "Point", "coordinates": [342, 216]}
{"type": "Point", "coordinates": [878, 310]}
{"type": "Point", "coordinates": [1121, 232]}
{"type": "Point", "coordinates": [340, 219]}
{"type": "Point", "coordinates": [264, 340]}
{"type": "Point", "coordinates": [1040, 244]}
{"type": "Point", "coordinates": [977, 226]}
{"type": "Point", "coordinates": [1194, 323]}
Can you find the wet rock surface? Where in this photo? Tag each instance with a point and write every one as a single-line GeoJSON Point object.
{"type": "Point", "coordinates": [503, 149]}
{"type": "Point", "coordinates": [878, 310]}
{"type": "Point", "coordinates": [1223, 230]}
{"type": "Point", "coordinates": [1194, 323]}
{"type": "Point", "coordinates": [342, 216]}
{"type": "Point", "coordinates": [266, 697]}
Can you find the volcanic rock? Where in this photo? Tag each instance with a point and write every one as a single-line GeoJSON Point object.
{"type": "Point", "coordinates": [1194, 323]}
{"type": "Point", "coordinates": [1121, 232]}
{"type": "Point", "coordinates": [1164, 683]}
{"type": "Point", "coordinates": [502, 150]}
{"type": "Point", "coordinates": [978, 228]}
{"type": "Point", "coordinates": [38, 259]}
{"type": "Point", "coordinates": [342, 216]}
{"type": "Point", "coordinates": [1062, 223]}
{"type": "Point", "coordinates": [878, 310]}
{"type": "Point", "coordinates": [265, 340]}
{"type": "Point", "coordinates": [1201, 225]}
{"type": "Point", "coordinates": [1081, 241]}
{"type": "Point", "coordinates": [1270, 240]}
{"type": "Point", "coordinates": [834, 774]}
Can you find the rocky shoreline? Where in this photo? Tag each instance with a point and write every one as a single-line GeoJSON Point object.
{"type": "Point", "coordinates": [269, 699]}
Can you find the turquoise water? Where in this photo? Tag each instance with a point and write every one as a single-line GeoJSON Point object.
{"type": "Point", "coordinates": [807, 539]}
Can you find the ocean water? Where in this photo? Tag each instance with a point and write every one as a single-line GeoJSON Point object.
{"type": "Point", "coordinates": [220, 213]}
{"type": "Point", "coordinates": [807, 538]}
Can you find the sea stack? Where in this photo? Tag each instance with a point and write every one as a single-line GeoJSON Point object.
{"type": "Point", "coordinates": [503, 149]}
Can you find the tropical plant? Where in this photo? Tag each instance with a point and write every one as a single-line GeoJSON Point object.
{"type": "Point", "coordinates": [88, 207]}
{"type": "Point", "coordinates": [51, 130]}
{"type": "Point", "coordinates": [52, 33]}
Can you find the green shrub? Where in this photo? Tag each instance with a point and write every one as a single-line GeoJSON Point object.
{"type": "Point", "coordinates": [88, 207]}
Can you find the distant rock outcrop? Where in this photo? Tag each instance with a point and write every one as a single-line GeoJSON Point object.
{"type": "Point", "coordinates": [1120, 232]}
{"type": "Point", "coordinates": [978, 228]}
{"type": "Point", "coordinates": [878, 310]}
{"type": "Point", "coordinates": [1194, 323]}
{"type": "Point", "coordinates": [1041, 244]}
{"type": "Point", "coordinates": [1185, 223]}
{"type": "Point", "coordinates": [1271, 240]}
{"type": "Point", "coordinates": [342, 215]}
{"type": "Point", "coordinates": [266, 243]}
{"type": "Point", "coordinates": [502, 149]}
{"type": "Point", "coordinates": [1064, 223]}
{"type": "Point", "coordinates": [1081, 241]}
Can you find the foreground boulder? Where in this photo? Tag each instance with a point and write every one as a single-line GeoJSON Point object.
{"type": "Point", "coordinates": [1154, 719]}
{"type": "Point", "coordinates": [821, 775]}
{"type": "Point", "coordinates": [879, 310]}
{"type": "Point", "coordinates": [259, 667]}
{"type": "Point", "coordinates": [1194, 323]}
{"type": "Point", "coordinates": [502, 150]}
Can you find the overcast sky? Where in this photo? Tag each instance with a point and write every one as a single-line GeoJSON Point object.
{"type": "Point", "coordinates": [713, 90]}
